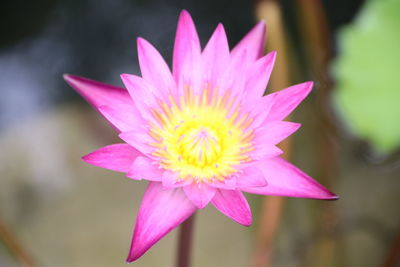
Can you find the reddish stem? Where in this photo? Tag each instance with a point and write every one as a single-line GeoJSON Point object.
{"type": "Point", "coordinates": [185, 243]}
{"type": "Point", "coordinates": [14, 246]}
{"type": "Point", "coordinates": [393, 257]}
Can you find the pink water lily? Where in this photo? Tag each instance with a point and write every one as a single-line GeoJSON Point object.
{"type": "Point", "coordinates": [203, 133]}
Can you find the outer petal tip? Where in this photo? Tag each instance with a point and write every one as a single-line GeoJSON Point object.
{"type": "Point", "coordinates": [185, 14]}
{"type": "Point", "coordinates": [141, 42]}
{"type": "Point", "coordinates": [220, 27]}
{"type": "Point", "coordinates": [116, 157]}
{"type": "Point", "coordinates": [124, 76]}
{"type": "Point", "coordinates": [253, 42]}
{"type": "Point", "coordinates": [285, 179]}
{"type": "Point", "coordinates": [71, 79]}
{"type": "Point", "coordinates": [288, 99]}
{"type": "Point", "coordinates": [324, 194]}
{"type": "Point", "coordinates": [233, 204]}
{"type": "Point", "coordinates": [308, 86]}
{"type": "Point", "coordinates": [327, 195]}
{"type": "Point", "coordinates": [66, 76]}
{"type": "Point", "coordinates": [260, 27]}
{"type": "Point", "coordinates": [247, 223]}
{"type": "Point", "coordinates": [273, 54]}
{"type": "Point", "coordinates": [86, 158]}
{"type": "Point", "coordinates": [185, 17]}
{"type": "Point", "coordinates": [261, 23]}
{"type": "Point", "coordinates": [160, 212]}
{"type": "Point", "coordinates": [332, 197]}
{"type": "Point", "coordinates": [131, 259]}
{"type": "Point", "coordinates": [77, 81]}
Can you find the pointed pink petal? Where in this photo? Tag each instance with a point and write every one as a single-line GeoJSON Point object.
{"type": "Point", "coordinates": [100, 94]}
{"type": "Point", "coordinates": [216, 55]}
{"type": "Point", "coordinates": [200, 194]}
{"type": "Point", "coordinates": [233, 78]}
{"type": "Point", "coordinates": [233, 204]}
{"type": "Point", "coordinates": [253, 42]}
{"type": "Point", "coordinates": [144, 168]}
{"type": "Point", "coordinates": [139, 139]}
{"type": "Point", "coordinates": [121, 117]}
{"type": "Point", "coordinates": [160, 211]}
{"type": "Point", "coordinates": [265, 151]}
{"type": "Point", "coordinates": [187, 53]}
{"type": "Point", "coordinates": [258, 76]}
{"type": "Point", "coordinates": [117, 157]}
{"type": "Point", "coordinates": [284, 179]}
{"type": "Point", "coordinates": [259, 109]}
{"type": "Point", "coordinates": [154, 69]}
{"type": "Point", "coordinates": [288, 99]}
{"type": "Point", "coordinates": [144, 95]}
{"type": "Point", "coordinates": [97, 93]}
{"type": "Point", "coordinates": [274, 132]}
{"type": "Point", "coordinates": [251, 177]}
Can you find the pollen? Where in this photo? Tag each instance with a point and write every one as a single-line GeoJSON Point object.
{"type": "Point", "coordinates": [202, 137]}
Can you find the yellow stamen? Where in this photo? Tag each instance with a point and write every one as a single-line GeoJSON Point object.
{"type": "Point", "coordinates": [197, 139]}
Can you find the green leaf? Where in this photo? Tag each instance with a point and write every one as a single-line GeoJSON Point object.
{"type": "Point", "coordinates": [367, 71]}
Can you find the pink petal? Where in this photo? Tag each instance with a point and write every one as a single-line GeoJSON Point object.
{"type": "Point", "coordinates": [154, 69]}
{"type": "Point", "coordinates": [251, 177]}
{"type": "Point", "coordinates": [288, 99]}
{"type": "Point", "coordinates": [200, 194]}
{"type": "Point", "coordinates": [143, 94]}
{"type": "Point", "coordinates": [96, 93]}
{"type": "Point", "coordinates": [117, 157]}
{"type": "Point", "coordinates": [259, 109]}
{"type": "Point", "coordinates": [253, 42]}
{"type": "Point", "coordinates": [233, 204]}
{"type": "Point", "coordinates": [100, 94]}
{"type": "Point", "coordinates": [186, 61]}
{"type": "Point", "coordinates": [233, 78]}
{"type": "Point", "coordinates": [120, 117]}
{"type": "Point", "coordinates": [144, 168]}
{"type": "Point", "coordinates": [216, 55]}
{"type": "Point", "coordinates": [160, 211]}
{"type": "Point", "coordinates": [258, 76]}
{"type": "Point", "coordinates": [284, 179]}
{"type": "Point", "coordinates": [274, 132]}
{"type": "Point", "coordinates": [139, 139]}
{"type": "Point", "coordinates": [265, 151]}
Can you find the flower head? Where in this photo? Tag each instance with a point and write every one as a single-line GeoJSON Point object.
{"type": "Point", "coordinates": [203, 133]}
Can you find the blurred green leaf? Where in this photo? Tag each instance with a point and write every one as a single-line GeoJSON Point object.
{"type": "Point", "coordinates": [368, 74]}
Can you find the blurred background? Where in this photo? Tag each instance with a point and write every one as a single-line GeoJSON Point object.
{"type": "Point", "coordinates": [56, 210]}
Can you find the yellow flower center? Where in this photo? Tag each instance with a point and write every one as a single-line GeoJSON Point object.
{"type": "Point", "coordinates": [202, 137]}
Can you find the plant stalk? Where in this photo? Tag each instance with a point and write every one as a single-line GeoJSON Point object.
{"type": "Point", "coordinates": [15, 248]}
{"type": "Point", "coordinates": [272, 206]}
{"type": "Point", "coordinates": [185, 243]}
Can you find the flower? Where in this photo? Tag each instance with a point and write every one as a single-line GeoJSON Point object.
{"type": "Point", "coordinates": [203, 133]}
